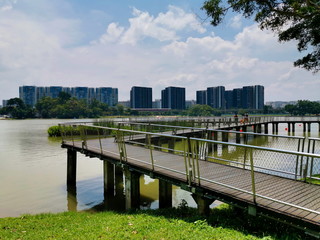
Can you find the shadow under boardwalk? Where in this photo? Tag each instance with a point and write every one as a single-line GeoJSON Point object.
{"type": "Point", "coordinates": [276, 196]}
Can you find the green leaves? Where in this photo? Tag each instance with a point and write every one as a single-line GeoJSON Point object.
{"type": "Point", "coordinates": [291, 19]}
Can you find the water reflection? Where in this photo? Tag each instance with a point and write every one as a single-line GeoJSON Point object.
{"type": "Point", "coordinates": [33, 172]}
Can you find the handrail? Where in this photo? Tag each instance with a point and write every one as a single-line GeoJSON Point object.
{"type": "Point", "coordinates": [215, 130]}
{"type": "Point", "coordinates": [193, 153]}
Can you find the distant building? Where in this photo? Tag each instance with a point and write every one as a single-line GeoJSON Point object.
{"type": "Point", "coordinates": [81, 93]}
{"type": "Point", "coordinates": [173, 98]}
{"type": "Point", "coordinates": [258, 97]}
{"type": "Point", "coordinates": [125, 103]}
{"type": "Point", "coordinates": [156, 104]}
{"type": "Point", "coordinates": [201, 97]}
{"type": "Point", "coordinates": [141, 97]}
{"type": "Point", "coordinates": [237, 98]}
{"type": "Point", "coordinates": [107, 95]}
{"type": "Point", "coordinates": [28, 95]}
{"type": "Point", "coordinates": [280, 104]}
{"type": "Point", "coordinates": [4, 103]}
{"type": "Point", "coordinates": [253, 97]}
{"type": "Point", "coordinates": [190, 103]}
{"type": "Point", "coordinates": [216, 97]}
{"type": "Point", "coordinates": [41, 92]}
{"type": "Point", "coordinates": [32, 94]}
{"type": "Point", "coordinates": [54, 91]}
{"type": "Point", "coordinates": [248, 97]}
{"type": "Point", "coordinates": [229, 99]}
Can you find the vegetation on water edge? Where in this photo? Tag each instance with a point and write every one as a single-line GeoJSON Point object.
{"type": "Point", "coordinates": [176, 223]}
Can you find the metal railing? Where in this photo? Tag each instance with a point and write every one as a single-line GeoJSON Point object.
{"type": "Point", "coordinates": [294, 143]}
{"type": "Point", "coordinates": [245, 160]}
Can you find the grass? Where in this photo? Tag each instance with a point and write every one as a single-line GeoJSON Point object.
{"type": "Point", "coordinates": [314, 181]}
{"type": "Point", "coordinates": [176, 223]}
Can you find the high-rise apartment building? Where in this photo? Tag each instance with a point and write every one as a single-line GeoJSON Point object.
{"type": "Point", "coordinates": [28, 94]}
{"type": "Point", "coordinates": [216, 97]}
{"type": "Point", "coordinates": [237, 98]}
{"type": "Point", "coordinates": [32, 94]}
{"type": "Point", "coordinates": [81, 93]}
{"type": "Point", "coordinates": [229, 99]}
{"type": "Point", "coordinates": [258, 97]}
{"type": "Point", "coordinates": [248, 97]}
{"type": "Point", "coordinates": [54, 91]}
{"type": "Point", "coordinates": [107, 95]}
{"type": "Point", "coordinates": [201, 97]}
{"type": "Point", "coordinates": [141, 97]}
{"type": "Point", "coordinates": [173, 98]}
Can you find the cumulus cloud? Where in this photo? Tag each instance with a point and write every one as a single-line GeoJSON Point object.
{"type": "Point", "coordinates": [46, 53]}
{"type": "Point", "coordinates": [6, 5]}
{"type": "Point", "coordinates": [236, 22]}
{"type": "Point", "coordinates": [164, 27]}
{"type": "Point", "coordinates": [112, 34]}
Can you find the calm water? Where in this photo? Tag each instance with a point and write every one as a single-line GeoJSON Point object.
{"type": "Point", "coordinates": [33, 174]}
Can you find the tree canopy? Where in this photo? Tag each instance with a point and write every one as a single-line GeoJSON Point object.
{"type": "Point", "coordinates": [291, 19]}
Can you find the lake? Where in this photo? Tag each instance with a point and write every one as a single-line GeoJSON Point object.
{"type": "Point", "coordinates": [33, 173]}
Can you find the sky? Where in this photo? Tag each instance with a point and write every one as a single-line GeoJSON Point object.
{"type": "Point", "coordinates": [151, 43]}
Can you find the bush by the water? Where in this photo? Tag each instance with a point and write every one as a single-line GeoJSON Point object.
{"type": "Point", "coordinates": [54, 131]}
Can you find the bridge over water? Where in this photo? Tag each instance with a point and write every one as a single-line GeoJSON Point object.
{"type": "Point", "coordinates": [266, 181]}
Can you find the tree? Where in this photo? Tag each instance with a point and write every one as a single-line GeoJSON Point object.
{"type": "Point", "coordinates": [45, 106]}
{"type": "Point", "coordinates": [200, 110]}
{"type": "Point", "coordinates": [291, 19]}
{"type": "Point", "coordinates": [16, 108]}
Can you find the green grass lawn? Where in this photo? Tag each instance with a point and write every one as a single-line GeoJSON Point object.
{"type": "Point", "coordinates": [181, 223]}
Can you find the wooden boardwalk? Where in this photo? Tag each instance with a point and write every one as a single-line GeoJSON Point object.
{"type": "Point", "coordinates": [277, 196]}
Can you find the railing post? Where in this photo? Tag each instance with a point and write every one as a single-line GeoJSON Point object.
{"type": "Point", "coordinates": [151, 155]}
{"type": "Point", "coordinates": [101, 151]}
{"type": "Point", "coordinates": [252, 176]}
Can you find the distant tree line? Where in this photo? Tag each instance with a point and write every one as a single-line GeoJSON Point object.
{"type": "Point", "coordinates": [303, 107]}
{"type": "Point", "coordinates": [66, 106]}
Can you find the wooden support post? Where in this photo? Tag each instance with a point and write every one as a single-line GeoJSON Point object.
{"type": "Point", "coordinates": [108, 177]}
{"type": "Point", "coordinates": [266, 130]}
{"type": "Point", "coordinates": [293, 127]}
{"type": "Point", "coordinates": [238, 140]}
{"type": "Point", "coordinates": [72, 202]}
{"type": "Point", "coordinates": [118, 172]}
{"type": "Point", "coordinates": [277, 127]}
{"type": "Point", "coordinates": [171, 145]}
{"type": "Point", "coordinates": [244, 128]}
{"type": "Point", "coordinates": [203, 204]}
{"type": "Point", "coordinates": [309, 127]}
{"type": "Point", "coordinates": [255, 126]}
{"type": "Point", "coordinates": [165, 194]}
{"type": "Point", "coordinates": [215, 138]}
{"type": "Point", "coordinates": [289, 127]}
{"type": "Point", "coordinates": [304, 127]}
{"type": "Point", "coordinates": [319, 127]}
{"type": "Point", "coordinates": [258, 128]}
{"type": "Point", "coordinates": [225, 138]}
{"type": "Point", "coordinates": [132, 189]}
{"type": "Point", "coordinates": [71, 168]}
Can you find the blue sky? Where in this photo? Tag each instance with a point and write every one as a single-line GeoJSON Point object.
{"type": "Point", "coordinates": [129, 43]}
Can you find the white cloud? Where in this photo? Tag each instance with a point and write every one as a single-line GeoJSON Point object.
{"type": "Point", "coordinates": [43, 53]}
{"type": "Point", "coordinates": [164, 27]}
{"type": "Point", "coordinates": [113, 33]}
{"type": "Point", "coordinates": [236, 22]}
{"type": "Point", "coordinates": [7, 5]}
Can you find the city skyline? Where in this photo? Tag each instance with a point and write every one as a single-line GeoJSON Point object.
{"type": "Point", "coordinates": [142, 43]}
{"type": "Point", "coordinates": [247, 97]}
